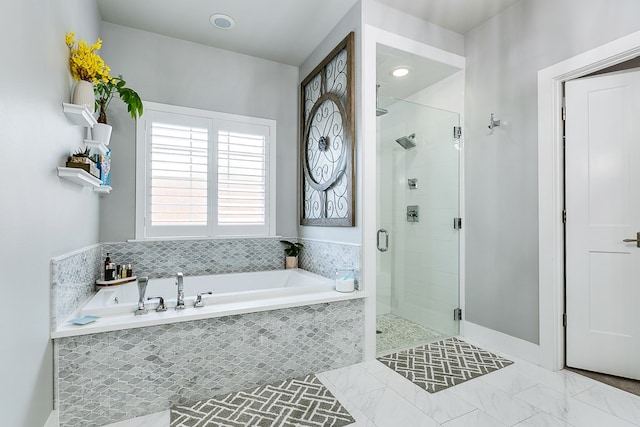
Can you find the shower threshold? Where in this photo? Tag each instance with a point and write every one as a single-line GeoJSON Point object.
{"type": "Point", "coordinates": [394, 333]}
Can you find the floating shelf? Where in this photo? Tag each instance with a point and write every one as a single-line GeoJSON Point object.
{"type": "Point", "coordinates": [97, 146]}
{"type": "Point", "coordinates": [105, 189]}
{"type": "Point", "coordinates": [83, 178]}
{"type": "Point", "coordinates": [79, 114]}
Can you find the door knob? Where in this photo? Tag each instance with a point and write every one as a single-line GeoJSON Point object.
{"type": "Point", "coordinates": [637, 240]}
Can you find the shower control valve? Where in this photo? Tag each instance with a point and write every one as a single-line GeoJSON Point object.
{"type": "Point", "coordinates": [413, 213]}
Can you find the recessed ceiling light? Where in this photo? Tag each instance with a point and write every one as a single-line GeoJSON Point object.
{"type": "Point", "coordinates": [222, 21]}
{"type": "Point", "coordinates": [400, 72]}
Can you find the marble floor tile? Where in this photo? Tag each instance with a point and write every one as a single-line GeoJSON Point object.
{"type": "Point", "coordinates": [494, 401]}
{"type": "Point", "coordinates": [622, 404]}
{"type": "Point", "coordinates": [352, 380]}
{"type": "Point", "coordinates": [158, 419]}
{"type": "Point", "coordinates": [568, 409]}
{"type": "Point", "coordinates": [509, 380]}
{"type": "Point", "coordinates": [441, 406]}
{"type": "Point", "coordinates": [542, 419]}
{"type": "Point", "coordinates": [386, 408]}
{"type": "Point", "coordinates": [476, 418]}
{"type": "Point", "coordinates": [354, 410]}
{"type": "Point", "coordinates": [561, 381]}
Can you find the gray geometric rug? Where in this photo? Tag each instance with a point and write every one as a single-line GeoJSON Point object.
{"type": "Point", "coordinates": [296, 402]}
{"type": "Point", "coordinates": [443, 364]}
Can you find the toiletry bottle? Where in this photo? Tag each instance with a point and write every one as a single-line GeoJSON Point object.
{"type": "Point", "coordinates": [106, 266]}
{"type": "Point", "coordinates": [129, 271]}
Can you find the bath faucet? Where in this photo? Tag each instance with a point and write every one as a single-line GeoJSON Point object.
{"type": "Point", "coordinates": [180, 284]}
{"type": "Point", "coordinates": [161, 305]}
{"type": "Point", "coordinates": [199, 301]}
{"type": "Point", "coordinates": [142, 289]}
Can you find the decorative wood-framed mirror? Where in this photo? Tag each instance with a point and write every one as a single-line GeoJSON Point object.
{"type": "Point", "coordinates": [327, 123]}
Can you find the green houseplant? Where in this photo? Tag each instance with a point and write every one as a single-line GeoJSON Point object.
{"type": "Point", "coordinates": [105, 90]}
{"type": "Point", "coordinates": [292, 250]}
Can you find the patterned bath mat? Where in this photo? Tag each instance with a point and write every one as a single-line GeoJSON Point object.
{"type": "Point", "coordinates": [443, 364]}
{"type": "Point", "coordinates": [297, 402]}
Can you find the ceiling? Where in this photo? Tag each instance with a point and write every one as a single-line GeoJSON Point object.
{"type": "Point", "coordinates": [285, 31]}
{"type": "Point", "coordinates": [423, 72]}
{"type": "Point", "coordinates": [460, 16]}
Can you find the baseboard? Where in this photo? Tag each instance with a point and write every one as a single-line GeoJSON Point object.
{"type": "Point", "coordinates": [52, 421]}
{"type": "Point", "coordinates": [498, 342]}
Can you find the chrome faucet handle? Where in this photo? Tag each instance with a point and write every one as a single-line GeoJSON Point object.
{"type": "Point", "coordinates": [161, 306]}
{"type": "Point", "coordinates": [142, 289]}
{"type": "Point", "coordinates": [199, 301]}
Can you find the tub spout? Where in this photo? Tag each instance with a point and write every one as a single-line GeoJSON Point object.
{"type": "Point", "coordinates": [180, 284]}
{"type": "Point", "coordinates": [142, 289]}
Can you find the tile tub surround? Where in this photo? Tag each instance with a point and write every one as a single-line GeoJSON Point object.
{"type": "Point", "coordinates": [323, 258]}
{"type": "Point", "coordinates": [73, 275]}
{"type": "Point", "coordinates": [73, 278]}
{"type": "Point", "coordinates": [198, 257]}
{"type": "Point", "coordinates": [111, 376]}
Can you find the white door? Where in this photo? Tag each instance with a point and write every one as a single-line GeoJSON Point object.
{"type": "Point", "coordinates": [602, 171]}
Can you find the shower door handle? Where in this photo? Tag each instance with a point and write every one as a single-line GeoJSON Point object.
{"type": "Point", "coordinates": [386, 240]}
{"type": "Point", "coordinates": [636, 240]}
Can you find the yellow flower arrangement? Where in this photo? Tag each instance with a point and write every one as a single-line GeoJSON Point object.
{"type": "Point", "coordinates": [84, 62]}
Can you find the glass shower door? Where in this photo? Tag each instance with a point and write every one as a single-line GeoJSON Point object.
{"type": "Point", "coordinates": [418, 200]}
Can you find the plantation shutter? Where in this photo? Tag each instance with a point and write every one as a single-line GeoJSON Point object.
{"type": "Point", "coordinates": [242, 177]}
{"type": "Point", "coordinates": [179, 177]}
{"type": "Point", "coordinates": [203, 174]}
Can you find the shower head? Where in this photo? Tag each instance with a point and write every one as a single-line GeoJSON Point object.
{"type": "Point", "coordinates": [407, 141]}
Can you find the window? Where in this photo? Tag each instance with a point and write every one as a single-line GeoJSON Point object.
{"type": "Point", "coordinates": [203, 174]}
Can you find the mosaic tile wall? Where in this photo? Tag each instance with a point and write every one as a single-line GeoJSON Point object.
{"type": "Point", "coordinates": [324, 258]}
{"type": "Point", "coordinates": [198, 257]}
{"type": "Point", "coordinates": [73, 279]}
{"type": "Point", "coordinates": [111, 376]}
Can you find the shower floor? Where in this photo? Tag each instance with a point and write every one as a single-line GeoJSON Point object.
{"type": "Point", "coordinates": [398, 333]}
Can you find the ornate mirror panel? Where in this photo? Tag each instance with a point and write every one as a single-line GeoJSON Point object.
{"type": "Point", "coordinates": [328, 136]}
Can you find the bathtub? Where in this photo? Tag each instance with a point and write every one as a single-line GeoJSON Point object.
{"type": "Point", "coordinates": [225, 288]}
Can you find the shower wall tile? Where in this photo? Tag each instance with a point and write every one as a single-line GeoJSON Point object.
{"type": "Point", "coordinates": [73, 280]}
{"type": "Point", "coordinates": [324, 258]}
{"type": "Point", "coordinates": [107, 377]}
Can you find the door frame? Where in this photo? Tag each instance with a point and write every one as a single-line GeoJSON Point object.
{"type": "Point", "coordinates": [551, 186]}
{"type": "Point", "coordinates": [371, 37]}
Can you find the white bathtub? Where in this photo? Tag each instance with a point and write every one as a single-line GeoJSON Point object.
{"type": "Point", "coordinates": [226, 288]}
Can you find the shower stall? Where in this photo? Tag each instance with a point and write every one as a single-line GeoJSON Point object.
{"type": "Point", "coordinates": [418, 156]}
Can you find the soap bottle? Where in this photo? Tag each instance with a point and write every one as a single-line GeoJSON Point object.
{"type": "Point", "coordinates": [129, 271]}
{"type": "Point", "coordinates": [106, 266]}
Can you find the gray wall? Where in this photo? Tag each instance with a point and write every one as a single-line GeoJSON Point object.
{"type": "Point", "coordinates": [42, 216]}
{"type": "Point", "coordinates": [171, 71]}
{"type": "Point", "coordinates": [503, 58]}
{"type": "Point", "coordinates": [350, 22]}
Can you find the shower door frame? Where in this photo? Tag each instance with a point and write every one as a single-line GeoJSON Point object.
{"type": "Point", "coordinates": [371, 37]}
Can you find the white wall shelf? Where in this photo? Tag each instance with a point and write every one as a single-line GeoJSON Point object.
{"type": "Point", "coordinates": [96, 146]}
{"type": "Point", "coordinates": [83, 178]}
{"type": "Point", "coordinates": [103, 189]}
{"type": "Point", "coordinates": [79, 114]}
